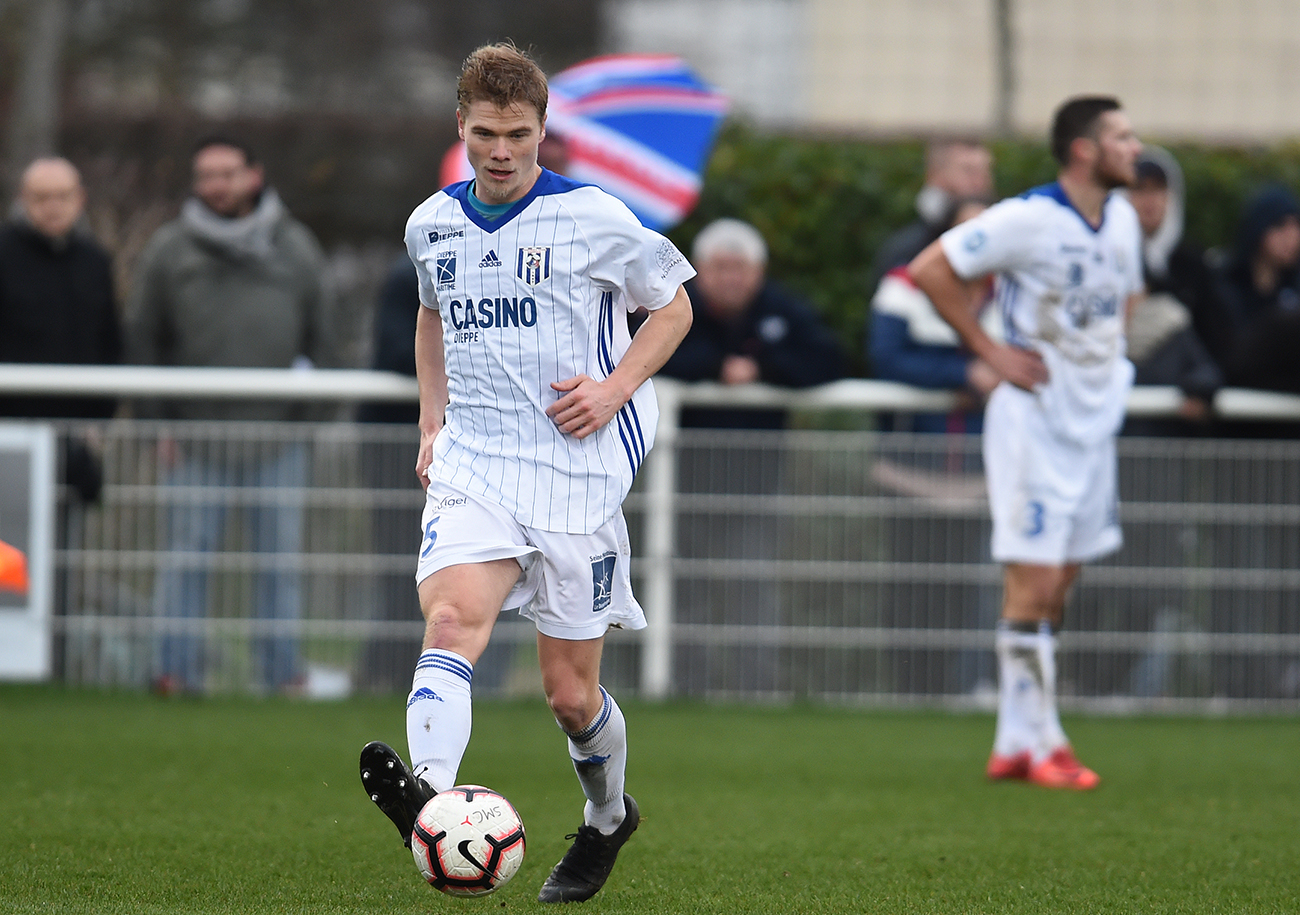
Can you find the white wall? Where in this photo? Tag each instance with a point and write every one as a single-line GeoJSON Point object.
{"type": "Point", "coordinates": [754, 50]}
{"type": "Point", "coordinates": [1185, 69]}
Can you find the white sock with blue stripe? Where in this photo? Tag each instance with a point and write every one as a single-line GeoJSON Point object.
{"type": "Point", "coordinates": [599, 753]}
{"type": "Point", "coordinates": [438, 716]}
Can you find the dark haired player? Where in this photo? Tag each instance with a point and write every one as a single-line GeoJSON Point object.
{"type": "Point", "coordinates": [1067, 263]}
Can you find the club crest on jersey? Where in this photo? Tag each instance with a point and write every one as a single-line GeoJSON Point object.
{"type": "Point", "coordinates": [444, 266]}
{"type": "Point", "coordinates": [534, 265]}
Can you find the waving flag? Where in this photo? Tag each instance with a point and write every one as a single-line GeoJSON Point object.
{"type": "Point", "coordinates": [639, 126]}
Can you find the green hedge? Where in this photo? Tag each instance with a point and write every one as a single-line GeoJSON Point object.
{"type": "Point", "coordinates": [826, 203]}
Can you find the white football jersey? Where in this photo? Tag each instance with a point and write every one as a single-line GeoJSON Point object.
{"type": "Point", "coordinates": [1061, 287]}
{"type": "Point", "coordinates": [540, 294]}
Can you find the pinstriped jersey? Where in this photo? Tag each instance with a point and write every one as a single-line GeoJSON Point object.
{"type": "Point", "coordinates": [1061, 287]}
{"type": "Point", "coordinates": [540, 294]}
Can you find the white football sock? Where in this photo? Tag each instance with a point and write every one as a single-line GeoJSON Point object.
{"type": "Point", "coordinates": [599, 754]}
{"type": "Point", "coordinates": [1020, 692]}
{"type": "Point", "coordinates": [439, 716]}
{"type": "Point", "coordinates": [1052, 736]}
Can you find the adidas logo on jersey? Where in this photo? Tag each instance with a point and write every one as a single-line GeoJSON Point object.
{"type": "Point", "coordinates": [490, 260]}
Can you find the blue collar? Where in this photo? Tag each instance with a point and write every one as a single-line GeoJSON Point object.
{"type": "Point", "coordinates": [1057, 193]}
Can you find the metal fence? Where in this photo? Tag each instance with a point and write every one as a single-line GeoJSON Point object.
{"type": "Point", "coordinates": [856, 567]}
{"type": "Point", "coordinates": [846, 566]}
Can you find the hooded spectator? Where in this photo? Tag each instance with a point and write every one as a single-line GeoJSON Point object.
{"type": "Point", "coordinates": [1260, 295]}
{"type": "Point", "coordinates": [1259, 280]}
{"type": "Point", "coordinates": [1163, 342]}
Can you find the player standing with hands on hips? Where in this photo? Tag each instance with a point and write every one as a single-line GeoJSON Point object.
{"type": "Point", "coordinates": [535, 413]}
{"type": "Point", "coordinates": [1068, 264]}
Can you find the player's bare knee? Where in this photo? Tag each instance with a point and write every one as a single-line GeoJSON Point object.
{"type": "Point", "coordinates": [448, 627]}
{"type": "Point", "coordinates": [1034, 594]}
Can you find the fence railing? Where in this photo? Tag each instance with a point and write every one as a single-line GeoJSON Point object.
{"type": "Point", "coordinates": [845, 565]}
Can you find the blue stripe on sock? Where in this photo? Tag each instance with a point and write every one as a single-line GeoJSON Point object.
{"type": "Point", "coordinates": [435, 659]}
{"type": "Point", "coordinates": [453, 669]}
{"type": "Point", "coordinates": [594, 728]}
{"type": "Point", "coordinates": [460, 669]}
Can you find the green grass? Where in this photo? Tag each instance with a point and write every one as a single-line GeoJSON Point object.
{"type": "Point", "coordinates": [125, 803]}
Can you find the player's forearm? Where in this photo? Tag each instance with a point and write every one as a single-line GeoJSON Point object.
{"type": "Point", "coordinates": [430, 370]}
{"type": "Point", "coordinates": [656, 340]}
{"type": "Point", "coordinates": [933, 275]}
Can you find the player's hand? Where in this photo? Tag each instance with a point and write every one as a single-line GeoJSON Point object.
{"type": "Point", "coordinates": [585, 406]}
{"type": "Point", "coordinates": [981, 377]}
{"type": "Point", "coordinates": [1023, 368]}
{"type": "Point", "coordinates": [424, 459]}
{"type": "Point", "coordinates": [739, 370]}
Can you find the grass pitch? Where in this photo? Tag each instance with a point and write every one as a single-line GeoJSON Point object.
{"type": "Point", "coordinates": [123, 803]}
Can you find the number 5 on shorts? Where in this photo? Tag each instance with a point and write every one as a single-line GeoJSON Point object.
{"type": "Point", "coordinates": [430, 536]}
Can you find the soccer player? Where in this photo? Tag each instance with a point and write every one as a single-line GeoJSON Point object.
{"type": "Point", "coordinates": [1068, 264]}
{"type": "Point", "coordinates": [535, 413]}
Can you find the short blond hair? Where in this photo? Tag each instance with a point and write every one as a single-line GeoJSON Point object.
{"type": "Point", "coordinates": [503, 75]}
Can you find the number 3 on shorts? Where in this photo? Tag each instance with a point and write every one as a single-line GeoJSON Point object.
{"type": "Point", "coordinates": [1034, 523]}
{"type": "Point", "coordinates": [430, 536]}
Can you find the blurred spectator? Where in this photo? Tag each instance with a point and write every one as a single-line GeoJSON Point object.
{"type": "Point", "coordinates": [910, 343]}
{"type": "Point", "coordinates": [234, 281]}
{"type": "Point", "coordinates": [747, 328]}
{"type": "Point", "coordinates": [1261, 301]}
{"type": "Point", "coordinates": [57, 305]}
{"type": "Point", "coordinates": [1163, 342]}
{"type": "Point", "coordinates": [56, 290]}
{"type": "Point", "coordinates": [955, 169]}
{"type": "Point", "coordinates": [1259, 277]}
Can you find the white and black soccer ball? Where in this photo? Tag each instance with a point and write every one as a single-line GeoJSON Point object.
{"type": "Point", "coordinates": [468, 841]}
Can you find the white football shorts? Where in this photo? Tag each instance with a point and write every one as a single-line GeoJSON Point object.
{"type": "Point", "coordinates": [1053, 501]}
{"type": "Point", "coordinates": [573, 586]}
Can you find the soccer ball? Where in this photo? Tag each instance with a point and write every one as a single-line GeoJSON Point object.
{"type": "Point", "coordinates": [468, 841]}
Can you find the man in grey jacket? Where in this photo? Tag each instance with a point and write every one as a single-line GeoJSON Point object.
{"type": "Point", "coordinates": [234, 281]}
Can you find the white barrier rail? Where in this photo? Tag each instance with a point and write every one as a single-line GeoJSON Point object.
{"type": "Point", "coordinates": [867, 395]}
{"type": "Point", "coordinates": [208, 383]}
